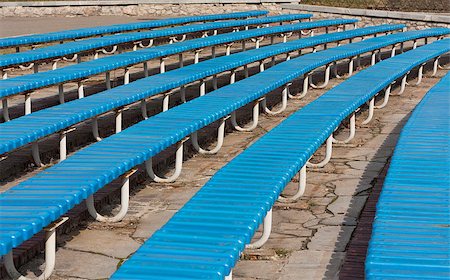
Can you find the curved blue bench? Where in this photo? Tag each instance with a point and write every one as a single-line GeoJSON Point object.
{"type": "Point", "coordinates": [411, 234]}
{"type": "Point", "coordinates": [62, 50]}
{"type": "Point", "coordinates": [30, 128]}
{"type": "Point", "coordinates": [37, 202]}
{"type": "Point", "coordinates": [206, 237]}
{"type": "Point", "coordinates": [84, 70]}
{"type": "Point", "coordinates": [26, 40]}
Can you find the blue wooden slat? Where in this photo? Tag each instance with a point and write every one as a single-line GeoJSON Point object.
{"type": "Point", "coordinates": [185, 244]}
{"type": "Point", "coordinates": [100, 30]}
{"type": "Point", "coordinates": [90, 169]}
{"type": "Point", "coordinates": [61, 50]}
{"type": "Point", "coordinates": [411, 233]}
{"type": "Point", "coordinates": [83, 70]}
{"type": "Point", "coordinates": [26, 129]}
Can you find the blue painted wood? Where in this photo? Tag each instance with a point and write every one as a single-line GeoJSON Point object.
{"type": "Point", "coordinates": [214, 247]}
{"type": "Point", "coordinates": [116, 28]}
{"type": "Point", "coordinates": [29, 128]}
{"type": "Point", "coordinates": [205, 238]}
{"type": "Point", "coordinates": [61, 50]}
{"type": "Point", "coordinates": [411, 233]}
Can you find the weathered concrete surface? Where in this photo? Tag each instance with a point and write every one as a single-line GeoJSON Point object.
{"type": "Point", "coordinates": [309, 237]}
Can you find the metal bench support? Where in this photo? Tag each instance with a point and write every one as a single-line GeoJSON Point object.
{"type": "Point", "coordinates": [178, 166]}
{"type": "Point", "coordinates": [50, 253]}
{"type": "Point", "coordinates": [124, 201]}
{"type": "Point", "coordinates": [329, 151]}
{"type": "Point", "coordinates": [267, 229]}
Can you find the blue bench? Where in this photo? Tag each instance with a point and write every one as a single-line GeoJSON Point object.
{"type": "Point", "coordinates": [40, 201]}
{"type": "Point", "coordinates": [78, 72]}
{"type": "Point", "coordinates": [206, 237]}
{"type": "Point", "coordinates": [411, 234]}
{"type": "Point", "coordinates": [59, 51]}
{"type": "Point", "coordinates": [59, 118]}
{"type": "Point", "coordinates": [28, 40]}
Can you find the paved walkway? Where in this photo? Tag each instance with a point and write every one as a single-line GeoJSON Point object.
{"type": "Point", "coordinates": [12, 26]}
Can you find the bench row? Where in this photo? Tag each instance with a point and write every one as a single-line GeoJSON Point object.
{"type": "Point", "coordinates": [411, 235]}
{"type": "Point", "coordinates": [45, 38]}
{"type": "Point", "coordinates": [57, 52]}
{"type": "Point", "coordinates": [28, 129]}
{"type": "Point", "coordinates": [206, 237]}
{"type": "Point", "coordinates": [43, 199]}
{"type": "Point", "coordinates": [28, 83]}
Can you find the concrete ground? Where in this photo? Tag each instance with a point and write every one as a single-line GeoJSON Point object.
{"type": "Point", "coordinates": [309, 237]}
{"type": "Point", "coordinates": [11, 26]}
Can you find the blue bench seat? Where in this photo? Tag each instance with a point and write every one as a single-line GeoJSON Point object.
{"type": "Point", "coordinates": [86, 69]}
{"type": "Point", "coordinates": [51, 193]}
{"type": "Point", "coordinates": [61, 50]}
{"type": "Point", "coordinates": [220, 219]}
{"type": "Point", "coordinates": [411, 234]}
{"type": "Point", "coordinates": [30, 128]}
{"type": "Point", "coordinates": [73, 34]}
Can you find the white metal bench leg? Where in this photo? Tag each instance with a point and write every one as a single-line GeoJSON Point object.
{"type": "Point", "coordinates": [373, 58]}
{"type": "Point", "coordinates": [305, 88]}
{"type": "Point", "coordinates": [162, 65]}
{"type": "Point", "coordinates": [124, 201]}
{"type": "Point", "coordinates": [229, 276]}
{"type": "Point", "coordinates": [113, 50]}
{"type": "Point", "coordinates": [371, 108]}
{"type": "Point", "coordinates": [254, 121]}
{"type": "Point", "coordinates": [54, 64]}
{"type": "Point", "coordinates": [435, 66]}
{"type": "Point", "coordinates": [261, 65]}
{"type": "Point", "coordinates": [352, 131]}
{"type": "Point", "coordinates": [220, 136]}
{"type": "Point", "coordinates": [213, 52]}
{"type": "Point", "coordinates": [351, 63]}
{"type": "Point", "coordinates": [126, 76]}
{"type": "Point", "coordinates": [118, 117]}
{"type": "Point", "coordinates": [402, 86]}
{"type": "Point", "coordinates": [326, 79]}
{"type": "Point", "coordinates": [178, 166]}
{"type": "Point", "coordinates": [394, 48]}
{"type": "Point", "coordinates": [197, 55]}
{"type": "Point", "coordinates": [144, 109]}
{"type": "Point", "coordinates": [5, 109]}
{"type": "Point", "coordinates": [27, 103]}
{"type": "Point", "coordinates": [166, 100]}
{"type": "Point", "coordinates": [284, 98]}
{"type": "Point", "coordinates": [35, 153]}
{"type": "Point", "coordinates": [387, 92]}
{"type": "Point", "coordinates": [50, 254]}
{"type": "Point", "coordinates": [63, 143]}
{"type": "Point", "coordinates": [267, 229]}
{"type": "Point", "coordinates": [80, 90]}
{"type": "Point", "coordinates": [4, 74]}
{"type": "Point", "coordinates": [419, 76]}
{"type": "Point", "coordinates": [95, 131]}
{"type": "Point", "coordinates": [301, 187]}
{"type": "Point", "coordinates": [228, 49]}
{"type": "Point", "coordinates": [150, 43]}
{"type": "Point", "coordinates": [233, 76]}
{"type": "Point", "coordinates": [202, 87]}
{"type": "Point", "coordinates": [329, 151]}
